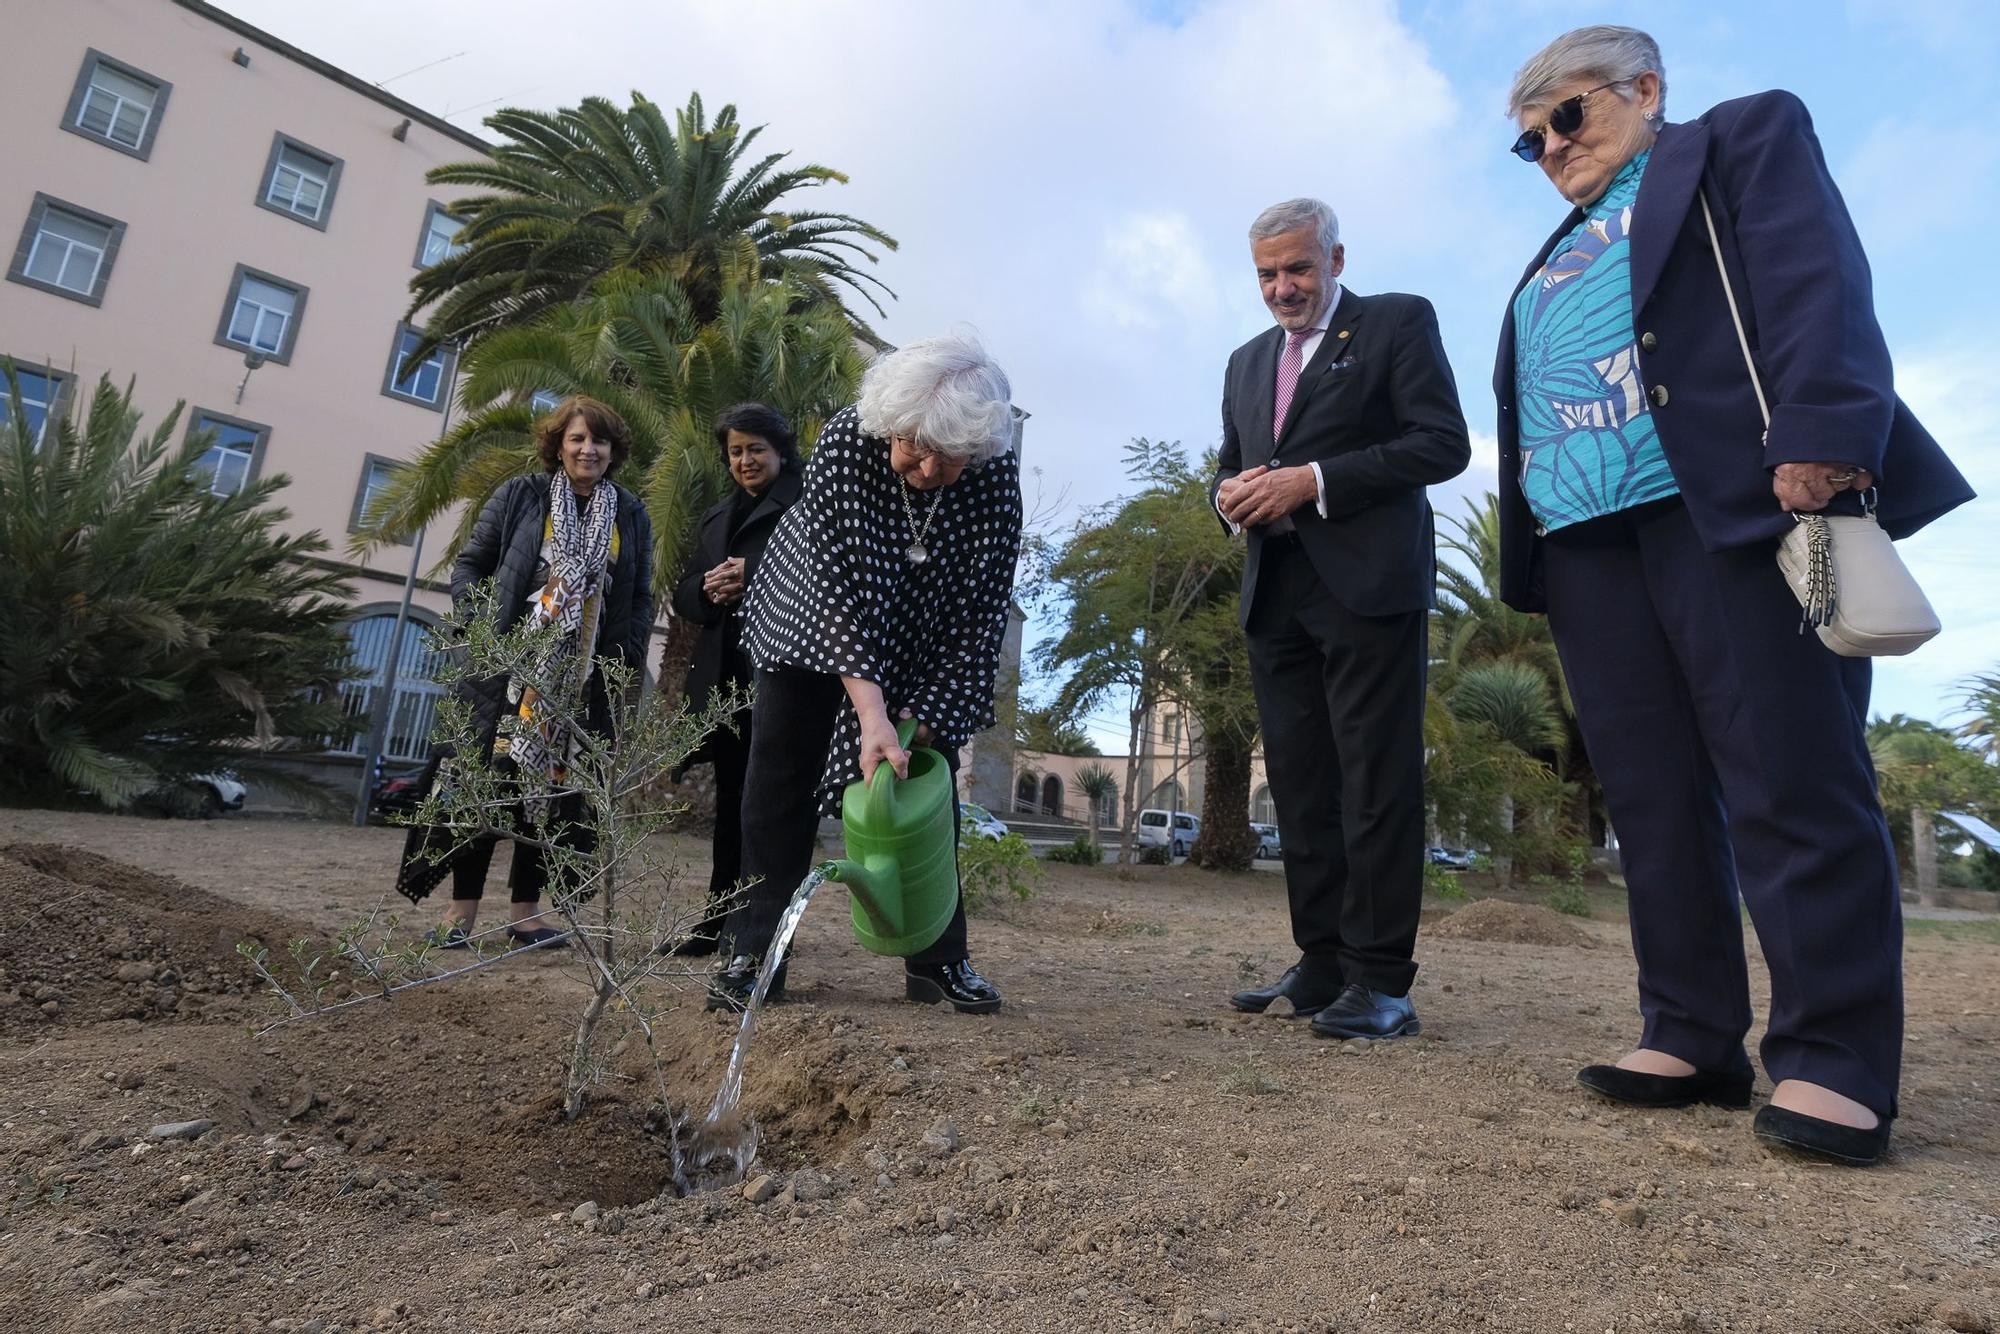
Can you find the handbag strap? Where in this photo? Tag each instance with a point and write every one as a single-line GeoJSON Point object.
{"type": "Point", "coordinates": [1735, 315]}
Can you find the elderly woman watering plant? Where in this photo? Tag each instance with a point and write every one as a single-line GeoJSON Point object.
{"type": "Point", "coordinates": [883, 595]}
{"type": "Point", "coordinates": [1661, 422]}
{"type": "Point", "coordinates": [565, 546]}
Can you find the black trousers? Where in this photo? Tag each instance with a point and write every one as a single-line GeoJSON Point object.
{"type": "Point", "coordinates": [1341, 700]}
{"type": "Point", "coordinates": [1733, 753]}
{"type": "Point", "coordinates": [730, 753]}
{"type": "Point", "coordinates": [469, 862]}
{"type": "Point", "coordinates": [791, 728]}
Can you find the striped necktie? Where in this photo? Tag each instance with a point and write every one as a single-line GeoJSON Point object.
{"type": "Point", "coordinates": [1289, 366]}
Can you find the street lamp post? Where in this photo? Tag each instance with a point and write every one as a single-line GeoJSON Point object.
{"type": "Point", "coordinates": [385, 698]}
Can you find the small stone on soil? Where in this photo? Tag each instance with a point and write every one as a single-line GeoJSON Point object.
{"type": "Point", "coordinates": [1630, 1215]}
{"type": "Point", "coordinates": [761, 1188]}
{"type": "Point", "coordinates": [941, 1140]}
{"type": "Point", "coordinates": [1356, 1046]}
{"type": "Point", "coordinates": [1957, 1316]}
{"type": "Point", "coordinates": [181, 1129]}
{"type": "Point", "coordinates": [98, 1140]}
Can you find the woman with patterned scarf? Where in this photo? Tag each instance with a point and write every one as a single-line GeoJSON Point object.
{"type": "Point", "coordinates": [569, 546]}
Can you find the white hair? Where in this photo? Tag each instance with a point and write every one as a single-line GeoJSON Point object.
{"type": "Point", "coordinates": [1604, 53]}
{"type": "Point", "coordinates": [943, 392]}
{"type": "Point", "coordinates": [1294, 214]}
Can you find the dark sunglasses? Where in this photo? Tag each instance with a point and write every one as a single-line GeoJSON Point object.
{"type": "Point", "coordinates": [1565, 118]}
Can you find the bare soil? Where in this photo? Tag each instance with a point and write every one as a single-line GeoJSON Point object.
{"type": "Point", "coordinates": [1116, 1149]}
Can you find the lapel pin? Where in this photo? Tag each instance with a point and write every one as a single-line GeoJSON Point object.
{"type": "Point", "coordinates": [1343, 333]}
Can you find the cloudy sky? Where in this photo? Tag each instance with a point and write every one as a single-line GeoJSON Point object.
{"type": "Point", "coordinates": [1072, 179]}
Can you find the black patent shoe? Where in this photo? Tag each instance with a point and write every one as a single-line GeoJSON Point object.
{"type": "Point", "coordinates": [1722, 1088]}
{"type": "Point", "coordinates": [1309, 992]}
{"type": "Point", "coordinates": [1362, 1013]}
{"type": "Point", "coordinates": [730, 986]}
{"type": "Point", "coordinates": [1821, 1139]}
{"type": "Point", "coordinates": [957, 983]}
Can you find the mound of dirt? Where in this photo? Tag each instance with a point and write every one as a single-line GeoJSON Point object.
{"type": "Point", "coordinates": [1512, 924]}
{"type": "Point", "coordinates": [84, 938]}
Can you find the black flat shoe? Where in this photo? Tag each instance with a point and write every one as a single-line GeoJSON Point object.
{"type": "Point", "coordinates": [957, 983]}
{"type": "Point", "coordinates": [1308, 990]}
{"type": "Point", "coordinates": [1821, 1139]}
{"type": "Point", "coordinates": [539, 938]}
{"type": "Point", "coordinates": [1723, 1088]}
{"type": "Point", "coordinates": [730, 986]}
{"type": "Point", "coordinates": [1362, 1013]}
{"type": "Point", "coordinates": [450, 937]}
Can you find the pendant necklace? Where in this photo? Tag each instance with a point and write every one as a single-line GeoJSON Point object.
{"type": "Point", "coordinates": [917, 553]}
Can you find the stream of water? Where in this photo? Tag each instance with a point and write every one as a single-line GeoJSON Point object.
{"type": "Point", "coordinates": [718, 1150]}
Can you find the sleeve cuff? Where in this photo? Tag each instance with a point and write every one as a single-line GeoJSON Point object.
{"type": "Point", "coordinates": [1319, 482]}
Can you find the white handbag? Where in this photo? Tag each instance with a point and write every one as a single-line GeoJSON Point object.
{"type": "Point", "coordinates": [1851, 585]}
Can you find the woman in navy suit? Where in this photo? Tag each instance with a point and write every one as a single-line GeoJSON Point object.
{"type": "Point", "coordinates": [1642, 502]}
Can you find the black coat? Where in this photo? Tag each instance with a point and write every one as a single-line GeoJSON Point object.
{"type": "Point", "coordinates": [718, 653]}
{"type": "Point", "coordinates": [721, 628]}
{"type": "Point", "coordinates": [506, 547]}
{"type": "Point", "coordinates": [1377, 409]}
{"type": "Point", "coordinates": [1802, 283]}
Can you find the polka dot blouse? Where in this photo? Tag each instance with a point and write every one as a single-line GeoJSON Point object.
{"type": "Point", "coordinates": [836, 592]}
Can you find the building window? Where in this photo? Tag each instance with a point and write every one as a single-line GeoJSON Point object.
{"type": "Point", "coordinates": [1262, 809]}
{"type": "Point", "coordinates": [299, 182]}
{"type": "Point", "coordinates": [439, 239]}
{"type": "Point", "coordinates": [42, 391]}
{"type": "Point", "coordinates": [237, 454]}
{"type": "Point", "coordinates": [117, 105]}
{"type": "Point", "coordinates": [418, 690]}
{"type": "Point", "coordinates": [66, 249]}
{"type": "Point", "coordinates": [375, 474]}
{"type": "Point", "coordinates": [262, 314]}
{"type": "Point", "coordinates": [423, 382]}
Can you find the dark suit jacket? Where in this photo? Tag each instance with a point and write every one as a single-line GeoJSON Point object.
{"type": "Point", "coordinates": [721, 627]}
{"type": "Point", "coordinates": [1376, 408]}
{"type": "Point", "coordinates": [506, 546]}
{"type": "Point", "coordinates": [1803, 286]}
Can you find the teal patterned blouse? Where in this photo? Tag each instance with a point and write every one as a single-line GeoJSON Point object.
{"type": "Point", "coordinates": [1588, 447]}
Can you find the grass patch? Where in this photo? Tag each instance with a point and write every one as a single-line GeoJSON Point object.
{"type": "Point", "coordinates": [1977, 933]}
{"type": "Point", "coordinates": [1249, 1082]}
{"type": "Point", "coordinates": [1569, 900]}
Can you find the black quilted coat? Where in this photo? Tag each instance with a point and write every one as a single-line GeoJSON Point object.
{"type": "Point", "coordinates": [506, 547]}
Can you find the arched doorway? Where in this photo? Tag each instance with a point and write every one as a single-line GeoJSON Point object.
{"type": "Point", "coordinates": [1052, 795]}
{"type": "Point", "coordinates": [1169, 795]}
{"type": "Point", "coordinates": [1262, 809]}
{"type": "Point", "coordinates": [417, 688]}
{"type": "Point", "coordinates": [1024, 793]}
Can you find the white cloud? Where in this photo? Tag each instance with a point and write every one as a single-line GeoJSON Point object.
{"type": "Point", "coordinates": [1151, 275]}
{"type": "Point", "coordinates": [1910, 182]}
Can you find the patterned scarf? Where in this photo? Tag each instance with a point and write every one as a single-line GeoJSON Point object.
{"type": "Point", "coordinates": [580, 546]}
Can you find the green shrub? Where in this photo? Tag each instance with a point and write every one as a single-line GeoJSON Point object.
{"type": "Point", "coordinates": [1576, 862]}
{"type": "Point", "coordinates": [1442, 884]}
{"type": "Point", "coordinates": [1570, 900]}
{"type": "Point", "coordinates": [989, 868]}
{"type": "Point", "coordinates": [1156, 855]}
{"type": "Point", "coordinates": [1082, 852]}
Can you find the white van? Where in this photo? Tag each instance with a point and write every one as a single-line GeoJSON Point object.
{"type": "Point", "coordinates": [1153, 830]}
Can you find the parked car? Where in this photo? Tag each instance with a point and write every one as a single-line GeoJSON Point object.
{"type": "Point", "coordinates": [398, 793]}
{"type": "Point", "coordinates": [979, 822]}
{"type": "Point", "coordinates": [1269, 848]}
{"type": "Point", "coordinates": [1153, 831]}
{"type": "Point", "coordinates": [216, 793]}
{"type": "Point", "coordinates": [1452, 859]}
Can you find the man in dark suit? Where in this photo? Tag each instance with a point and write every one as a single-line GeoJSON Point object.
{"type": "Point", "coordinates": [1333, 423]}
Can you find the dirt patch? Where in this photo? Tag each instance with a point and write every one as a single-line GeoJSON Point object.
{"type": "Point", "coordinates": [1512, 924]}
{"type": "Point", "coordinates": [90, 939]}
{"type": "Point", "coordinates": [1116, 1147]}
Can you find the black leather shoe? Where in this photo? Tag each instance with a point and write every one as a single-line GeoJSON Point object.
{"type": "Point", "coordinates": [702, 939]}
{"type": "Point", "coordinates": [957, 982]}
{"type": "Point", "coordinates": [1361, 1013]}
{"type": "Point", "coordinates": [1309, 992]}
{"type": "Point", "coordinates": [1821, 1139]}
{"type": "Point", "coordinates": [729, 986]}
{"type": "Point", "coordinates": [1723, 1088]}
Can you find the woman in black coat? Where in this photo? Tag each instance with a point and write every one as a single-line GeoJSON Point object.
{"type": "Point", "coordinates": [565, 544]}
{"type": "Point", "coordinates": [762, 456]}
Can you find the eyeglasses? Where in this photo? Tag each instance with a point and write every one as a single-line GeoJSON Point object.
{"type": "Point", "coordinates": [1565, 118]}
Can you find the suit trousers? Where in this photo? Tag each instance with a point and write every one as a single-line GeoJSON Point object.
{"type": "Point", "coordinates": [1733, 754]}
{"type": "Point", "coordinates": [791, 730]}
{"type": "Point", "coordinates": [1341, 700]}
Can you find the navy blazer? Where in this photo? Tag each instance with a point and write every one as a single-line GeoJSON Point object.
{"type": "Point", "coordinates": [1377, 409]}
{"type": "Point", "coordinates": [1803, 287]}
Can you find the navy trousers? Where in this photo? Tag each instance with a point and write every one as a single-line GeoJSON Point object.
{"type": "Point", "coordinates": [1733, 755]}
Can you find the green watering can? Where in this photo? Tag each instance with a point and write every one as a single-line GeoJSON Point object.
{"type": "Point", "coordinates": [901, 867]}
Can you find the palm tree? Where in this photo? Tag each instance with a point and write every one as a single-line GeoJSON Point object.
{"type": "Point", "coordinates": [577, 197]}
{"type": "Point", "coordinates": [1100, 789]}
{"type": "Point", "coordinates": [1982, 701]}
{"type": "Point", "coordinates": [641, 345]}
{"type": "Point", "coordinates": [155, 630]}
